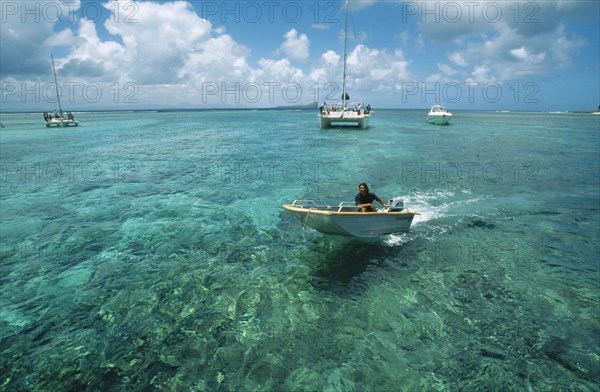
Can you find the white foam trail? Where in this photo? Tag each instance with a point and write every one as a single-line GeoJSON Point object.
{"type": "Point", "coordinates": [398, 239]}
{"type": "Point", "coordinates": [437, 204]}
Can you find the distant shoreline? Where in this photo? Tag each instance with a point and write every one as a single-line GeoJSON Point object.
{"type": "Point", "coordinates": [277, 108]}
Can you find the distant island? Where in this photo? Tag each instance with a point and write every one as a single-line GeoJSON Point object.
{"type": "Point", "coordinates": [312, 106]}
{"type": "Point", "coordinates": [309, 106]}
{"type": "Point", "coordinates": [597, 111]}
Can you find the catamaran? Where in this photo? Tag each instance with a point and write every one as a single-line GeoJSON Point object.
{"type": "Point", "coordinates": [344, 112]}
{"type": "Point", "coordinates": [58, 118]}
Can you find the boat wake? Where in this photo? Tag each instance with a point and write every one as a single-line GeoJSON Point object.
{"type": "Point", "coordinates": [439, 211]}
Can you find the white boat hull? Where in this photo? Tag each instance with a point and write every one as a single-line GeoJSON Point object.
{"type": "Point", "coordinates": [438, 115]}
{"type": "Point", "coordinates": [439, 120]}
{"type": "Point", "coordinates": [350, 222]}
{"type": "Point", "coordinates": [344, 119]}
{"type": "Point", "coordinates": [62, 123]}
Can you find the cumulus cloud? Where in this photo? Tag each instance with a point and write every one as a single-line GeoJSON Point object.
{"type": "Point", "coordinates": [458, 59]}
{"type": "Point", "coordinates": [481, 75]}
{"type": "Point", "coordinates": [279, 71]}
{"type": "Point", "coordinates": [216, 59]}
{"type": "Point", "coordinates": [446, 74]}
{"type": "Point", "coordinates": [510, 40]}
{"type": "Point", "coordinates": [523, 55]}
{"type": "Point", "coordinates": [23, 36]}
{"type": "Point", "coordinates": [377, 65]}
{"type": "Point", "coordinates": [167, 45]}
{"type": "Point", "coordinates": [369, 70]}
{"type": "Point", "coordinates": [446, 69]}
{"type": "Point", "coordinates": [158, 43]}
{"type": "Point", "coordinates": [105, 58]}
{"type": "Point", "coordinates": [296, 46]}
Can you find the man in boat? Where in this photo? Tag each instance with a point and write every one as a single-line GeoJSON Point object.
{"type": "Point", "coordinates": [365, 199]}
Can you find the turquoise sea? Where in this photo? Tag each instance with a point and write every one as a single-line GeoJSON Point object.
{"type": "Point", "coordinates": [149, 251]}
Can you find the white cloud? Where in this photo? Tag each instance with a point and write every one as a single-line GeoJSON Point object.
{"type": "Point", "coordinates": [512, 40]}
{"type": "Point", "coordinates": [296, 46]}
{"type": "Point", "coordinates": [326, 69]}
{"type": "Point", "coordinates": [523, 55]}
{"type": "Point", "coordinates": [331, 58]}
{"type": "Point", "coordinates": [216, 59]}
{"type": "Point", "coordinates": [562, 49]}
{"type": "Point", "coordinates": [106, 58]}
{"type": "Point", "coordinates": [62, 38]}
{"type": "Point", "coordinates": [378, 64]}
{"type": "Point", "coordinates": [23, 35]}
{"type": "Point", "coordinates": [279, 71]}
{"type": "Point", "coordinates": [481, 75]}
{"type": "Point", "coordinates": [520, 53]}
{"type": "Point", "coordinates": [446, 69]}
{"type": "Point", "coordinates": [447, 75]}
{"type": "Point", "coordinates": [159, 41]}
{"type": "Point", "coordinates": [369, 70]}
{"type": "Point", "coordinates": [170, 47]}
{"type": "Point", "coordinates": [458, 59]}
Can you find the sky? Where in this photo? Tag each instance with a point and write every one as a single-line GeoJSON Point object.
{"type": "Point", "coordinates": [137, 55]}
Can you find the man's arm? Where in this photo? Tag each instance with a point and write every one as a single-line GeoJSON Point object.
{"type": "Point", "coordinates": [380, 201]}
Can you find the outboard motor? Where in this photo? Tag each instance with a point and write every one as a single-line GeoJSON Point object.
{"type": "Point", "coordinates": [396, 205]}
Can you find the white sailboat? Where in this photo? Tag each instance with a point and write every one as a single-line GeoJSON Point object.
{"type": "Point", "coordinates": [58, 118]}
{"type": "Point", "coordinates": [344, 112]}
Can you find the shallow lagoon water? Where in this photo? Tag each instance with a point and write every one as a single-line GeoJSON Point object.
{"type": "Point", "coordinates": [149, 250]}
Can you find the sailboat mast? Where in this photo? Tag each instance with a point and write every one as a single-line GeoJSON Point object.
{"type": "Point", "coordinates": [345, 57]}
{"type": "Point", "coordinates": [56, 85]}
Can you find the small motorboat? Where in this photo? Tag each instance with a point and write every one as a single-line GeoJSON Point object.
{"type": "Point", "coordinates": [439, 115]}
{"type": "Point", "coordinates": [348, 220]}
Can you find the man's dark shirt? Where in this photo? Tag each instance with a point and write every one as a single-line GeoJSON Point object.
{"type": "Point", "coordinates": [360, 199]}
